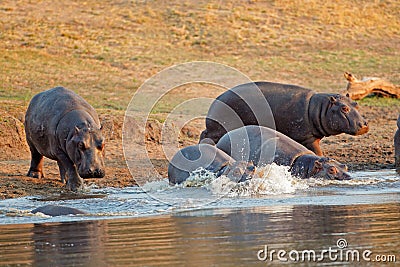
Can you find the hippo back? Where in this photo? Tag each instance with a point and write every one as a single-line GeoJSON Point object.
{"type": "Point", "coordinates": [261, 145]}
{"type": "Point", "coordinates": [56, 210]}
{"type": "Point", "coordinates": [191, 158]}
{"type": "Point", "coordinates": [49, 107]}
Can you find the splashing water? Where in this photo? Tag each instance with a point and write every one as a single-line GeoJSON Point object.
{"type": "Point", "coordinates": [268, 180]}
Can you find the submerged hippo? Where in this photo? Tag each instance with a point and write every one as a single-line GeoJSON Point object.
{"type": "Point", "coordinates": [397, 146]}
{"type": "Point", "coordinates": [300, 113]}
{"type": "Point", "coordinates": [55, 210]}
{"type": "Point", "coordinates": [62, 126]}
{"type": "Point", "coordinates": [263, 146]}
{"type": "Point", "coordinates": [210, 158]}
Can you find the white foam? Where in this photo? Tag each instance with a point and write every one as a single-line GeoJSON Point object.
{"type": "Point", "coordinates": [269, 180]}
{"type": "Point", "coordinates": [199, 177]}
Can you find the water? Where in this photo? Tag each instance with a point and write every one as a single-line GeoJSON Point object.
{"type": "Point", "coordinates": [212, 225]}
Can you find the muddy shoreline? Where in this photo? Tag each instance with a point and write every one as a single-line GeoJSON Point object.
{"type": "Point", "coordinates": [371, 151]}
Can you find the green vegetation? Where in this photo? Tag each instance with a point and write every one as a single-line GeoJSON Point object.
{"type": "Point", "coordinates": [105, 50]}
{"type": "Point", "coordinates": [380, 102]}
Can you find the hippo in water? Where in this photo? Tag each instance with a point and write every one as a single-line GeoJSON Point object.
{"type": "Point", "coordinates": [55, 210]}
{"type": "Point", "coordinates": [263, 146]}
{"type": "Point", "coordinates": [397, 146]}
{"type": "Point", "coordinates": [210, 158]}
{"type": "Point", "coordinates": [62, 126]}
{"type": "Point", "coordinates": [300, 113]}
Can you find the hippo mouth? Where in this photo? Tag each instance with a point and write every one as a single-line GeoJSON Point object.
{"type": "Point", "coordinates": [342, 176]}
{"type": "Point", "coordinates": [98, 173]}
{"type": "Point", "coordinates": [362, 130]}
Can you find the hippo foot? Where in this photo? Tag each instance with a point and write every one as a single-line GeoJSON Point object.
{"type": "Point", "coordinates": [75, 186]}
{"type": "Point", "coordinates": [35, 174]}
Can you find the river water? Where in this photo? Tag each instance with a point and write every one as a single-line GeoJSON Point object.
{"type": "Point", "coordinates": [274, 220]}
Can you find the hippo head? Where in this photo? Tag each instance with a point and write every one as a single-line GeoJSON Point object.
{"type": "Point", "coordinates": [238, 171]}
{"type": "Point", "coordinates": [86, 149]}
{"type": "Point", "coordinates": [343, 117]}
{"type": "Point", "coordinates": [330, 169]}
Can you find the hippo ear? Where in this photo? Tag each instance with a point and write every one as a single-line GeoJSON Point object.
{"type": "Point", "coordinates": [332, 99]}
{"type": "Point", "coordinates": [318, 165]}
{"type": "Point", "coordinates": [76, 130]}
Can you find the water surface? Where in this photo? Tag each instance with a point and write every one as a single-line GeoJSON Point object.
{"type": "Point", "coordinates": [128, 227]}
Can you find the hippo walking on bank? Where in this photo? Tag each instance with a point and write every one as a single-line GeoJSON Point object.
{"type": "Point", "coordinates": [62, 126]}
{"type": "Point", "coordinates": [397, 146]}
{"type": "Point", "coordinates": [300, 113]}
{"type": "Point", "coordinates": [263, 146]}
{"type": "Point", "coordinates": [210, 158]}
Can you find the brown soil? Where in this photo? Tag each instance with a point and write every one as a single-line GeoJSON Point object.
{"type": "Point", "coordinates": [373, 150]}
{"type": "Point", "coordinates": [104, 50]}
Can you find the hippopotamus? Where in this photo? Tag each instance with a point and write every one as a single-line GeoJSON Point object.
{"type": "Point", "coordinates": [263, 145]}
{"type": "Point", "coordinates": [62, 126]}
{"type": "Point", "coordinates": [210, 158]}
{"type": "Point", "coordinates": [300, 113]}
{"type": "Point", "coordinates": [55, 210]}
{"type": "Point", "coordinates": [397, 146]}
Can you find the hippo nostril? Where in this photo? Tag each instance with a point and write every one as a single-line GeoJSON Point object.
{"type": "Point", "coordinates": [346, 176]}
{"type": "Point", "coordinates": [99, 173]}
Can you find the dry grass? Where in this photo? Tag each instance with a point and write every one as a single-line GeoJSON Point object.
{"type": "Point", "coordinates": [106, 49]}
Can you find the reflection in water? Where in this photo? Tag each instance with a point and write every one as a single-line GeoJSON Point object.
{"type": "Point", "coordinates": [203, 237]}
{"type": "Point", "coordinates": [69, 244]}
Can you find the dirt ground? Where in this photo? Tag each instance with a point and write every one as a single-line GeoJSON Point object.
{"type": "Point", "coordinates": [370, 151]}
{"type": "Point", "coordinates": [105, 50]}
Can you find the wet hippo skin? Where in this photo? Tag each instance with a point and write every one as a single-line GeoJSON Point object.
{"type": "Point", "coordinates": [263, 145]}
{"type": "Point", "coordinates": [210, 158]}
{"type": "Point", "coordinates": [55, 210]}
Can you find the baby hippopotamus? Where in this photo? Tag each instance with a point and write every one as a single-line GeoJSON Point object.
{"type": "Point", "coordinates": [263, 146]}
{"type": "Point", "coordinates": [210, 158]}
{"type": "Point", "coordinates": [300, 113]}
{"type": "Point", "coordinates": [56, 210]}
{"type": "Point", "coordinates": [62, 126]}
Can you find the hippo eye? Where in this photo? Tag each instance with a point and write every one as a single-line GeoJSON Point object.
{"type": "Point", "coordinates": [100, 146]}
{"type": "Point", "coordinates": [81, 146]}
{"type": "Point", "coordinates": [332, 170]}
{"type": "Point", "coordinates": [345, 109]}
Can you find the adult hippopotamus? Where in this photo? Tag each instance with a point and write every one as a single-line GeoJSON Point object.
{"type": "Point", "coordinates": [397, 146]}
{"type": "Point", "coordinates": [263, 146]}
{"type": "Point", "coordinates": [210, 158]}
{"type": "Point", "coordinates": [62, 126]}
{"type": "Point", "coordinates": [300, 113]}
{"type": "Point", "coordinates": [56, 210]}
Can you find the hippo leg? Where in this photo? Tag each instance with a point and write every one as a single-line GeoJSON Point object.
{"type": "Point", "coordinates": [397, 149]}
{"type": "Point", "coordinates": [74, 182]}
{"type": "Point", "coordinates": [36, 168]}
{"type": "Point", "coordinates": [62, 171]}
{"type": "Point", "coordinates": [315, 147]}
